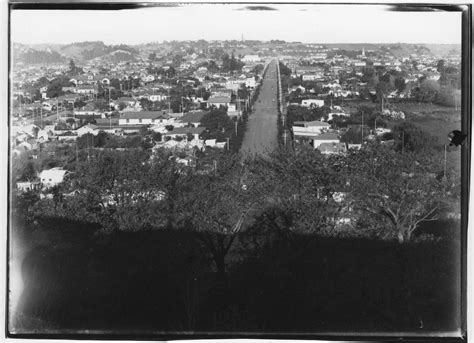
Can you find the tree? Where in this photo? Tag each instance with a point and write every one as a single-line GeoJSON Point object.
{"type": "Point", "coordinates": [428, 90]}
{"type": "Point", "coordinates": [303, 186]}
{"type": "Point", "coordinates": [54, 90]}
{"type": "Point", "coordinates": [23, 168]}
{"type": "Point", "coordinates": [440, 66]}
{"type": "Point", "coordinates": [79, 103]}
{"type": "Point", "coordinates": [393, 193]}
{"type": "Point", "coordinates": [382, 89]}
{"type": "Point", "coordinates": [101, 105]}
{"type": "Point", "coordinates": [400, 84]}
{"type": "Point", "coordinates": [409, 137]}
{"type": "Point", "coordinates": [218, 205]}
{"type": "Point", "coordinates": [146, 104]}
{"type": "Point", "coordinates": [152, 57]}
{"type": "Point", "coordinates": [72, 67]}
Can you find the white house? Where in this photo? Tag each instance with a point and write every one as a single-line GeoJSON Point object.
{"type": "Point", "coordinates": [311, 128]}
{"type": "Point", "coordinates": [52, 177]}
{"type": "Point", "coordinates": [328, 148]}
{"type": "Point", "coordinates": [251, 59]}
{"type": "Point", "coordinates": [332, 114]}
{"type": "Point", "coordinates": [89, 128]}
{"type": "Point", "coordinates": [146, 118]}
{"type": "Point", "coordinates": [86, 89]}
{"type": "Point", "coordinates": [183, 132]}
{"type": "Point", "coordinates": [312, 102]}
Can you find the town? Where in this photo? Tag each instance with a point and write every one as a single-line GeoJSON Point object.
{"type": "Point", "coordinates": [231, 169]}
{"type": "Point", "coordinates": [172, 101]}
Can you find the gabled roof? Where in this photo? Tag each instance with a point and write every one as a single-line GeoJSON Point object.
{"type": "Point", "coordinates": [186, 130]}
{"type": "Point", "coordinates": [219, 99]}
{"type": "Point", "coordinates": [145, 115]}
{"type": "Point", "coordinates": [89, 126]}
{"type": "Point", "coordinates": [192, 117]}
{"type": "Point", "coordinates": [54, 173]}
{"type": "Point", "coordinates": [327, 136]}
{"type": "Point", "coordinates": [314, 123]}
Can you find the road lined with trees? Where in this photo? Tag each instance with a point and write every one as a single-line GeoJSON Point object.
{"type": "Point", "coordinates": [261, 133]}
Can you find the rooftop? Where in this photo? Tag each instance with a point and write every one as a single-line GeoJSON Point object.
{"type": "Point", "coordinates": [145, 115]}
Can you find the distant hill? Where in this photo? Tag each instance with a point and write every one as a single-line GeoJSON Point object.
{"type": "Point", "coordinates": [117, 56]}
{"type": "Point", "coordinates": [402, 49]}
{"type": "Point", "coordinates": [25, 54]}
{"type": "Point", "coordinates": [90, 50]}
{"type": "Point", "coordinates": [79, 51]}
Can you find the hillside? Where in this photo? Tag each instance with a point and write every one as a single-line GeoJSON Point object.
{"type": "Point", "coordinates": [402, 49]}
{"type": "Point", "coordinates": [79, 51]}
{"type": "Point", "coordinates": [25, 54]}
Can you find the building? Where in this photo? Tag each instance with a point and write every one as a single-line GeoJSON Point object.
{"type": "Point", "coordinates": [52, 177]}
{"type": "Point", "coordinates": [88, 129]}
{"type": "Point", "coordinates": [251, 59]}
{"type": "Point", "coordinates": [312, 102]}
{"type": "Point", "coordinates": [184, 132]}
{"type": "Point", "coordinates": [219, 101]}
{"type": "Point", "coordinates": [192, 118]}
{"type": "Point", "coordinates": [146, 118]}
{"type": "Point", "coordinates": [332, 148]}
{"type": "Point", "coordinates": [326, 138]}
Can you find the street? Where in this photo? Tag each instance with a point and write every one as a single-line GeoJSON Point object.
{"type": "Point", "coordinates": [261, 134]}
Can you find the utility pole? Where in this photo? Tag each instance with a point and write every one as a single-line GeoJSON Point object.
{"type": "Point", "coordinates": [236, 127]}
{"type": "Point", "coordinates": [362, 129]}
{"type": "Point", "coordinates": [403, 141]}
{"type": "Point", "coordinates": [228, 143]}
{"type": "Point", "coordinates": [445, 155]}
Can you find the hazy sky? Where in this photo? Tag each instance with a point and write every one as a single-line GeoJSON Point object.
{"type": "Point", "coordinates": [306, 23]}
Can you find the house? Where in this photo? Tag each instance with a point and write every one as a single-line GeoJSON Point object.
{"type": "Point", "coordinates": [89, 111]}
{"type": "Point", "coordinates": [326, 138]}
{"type": "Point", "coordinates": [219, 101]}
{"type": "Point", "coordinates": [129, 101]}
{"type": "Point", "coordinates": [146, 118]}
{"type": "Point", "coordinates": [183, 132]}
{"type": "Point", "coordinates": [342, 114]}
{"type": "Point", "coordinates": [89, 128]}
{"type": "Point", "coordinates": [311, 77]}
{"type": "Point", "coordinates": [52, 177]}
{"type": "Point", "coordinates": [309, 127]}
{"type": "Point", "coordinates": [193, 118]}
{"type": "Point", "coordinates": [332, 148]}
{"type": "Point", "coordinates": [250, 59]}
{"type": "Point", "coordinates": [312, 102]}
{"type": "Point", "coordinates": [87, 89]}
{"type": "Point", "coordinates": [43, 135]}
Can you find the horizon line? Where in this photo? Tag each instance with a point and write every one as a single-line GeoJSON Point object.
{"type": "Point", "coordinates": [226, 40]}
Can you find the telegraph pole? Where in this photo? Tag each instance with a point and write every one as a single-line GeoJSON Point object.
{"type": "Point", "coordinates": [228, 143]}
{"type": "Point", "coordinates": [445, 155]}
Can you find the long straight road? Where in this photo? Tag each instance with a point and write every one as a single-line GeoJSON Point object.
{"type": "Point", "coordinates": [261, 134]}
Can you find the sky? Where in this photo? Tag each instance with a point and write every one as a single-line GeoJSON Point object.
{"type": "Point", "coordinates": [306, 23]}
